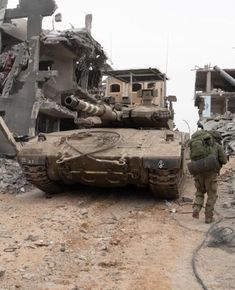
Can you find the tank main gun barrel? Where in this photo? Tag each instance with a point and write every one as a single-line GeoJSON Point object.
{"type": "Point", "coordinates": [225, 75]}
{"type": "Point", "coordinates": [103, 111]}
{"type": "Point", "coordinates": [85, 95]}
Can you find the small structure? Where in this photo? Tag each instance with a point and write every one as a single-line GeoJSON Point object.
{"type": "Point", "coordinates": [123, 85]}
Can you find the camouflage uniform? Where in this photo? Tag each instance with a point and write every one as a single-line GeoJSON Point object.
{"type": "Point", "coordinates": [207, 183]}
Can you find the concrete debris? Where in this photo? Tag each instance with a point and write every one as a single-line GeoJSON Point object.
{"type": "Point", "coordinates": [28, 276]}
{"type": "Point", "coordinates": [225, 125]}
{"type": "Point", "coordinates": [11, 177]}
{"type": "Point", "coordinates": [41, 243]}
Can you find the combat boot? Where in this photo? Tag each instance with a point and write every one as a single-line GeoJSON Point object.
{"type": "Point", "coordinates": [209, 219]}
{"type": "Point", "coordinates": [196, 212]}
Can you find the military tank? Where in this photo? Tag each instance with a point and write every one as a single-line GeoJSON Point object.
{"type": "Point", "coordinates": [129, 145]}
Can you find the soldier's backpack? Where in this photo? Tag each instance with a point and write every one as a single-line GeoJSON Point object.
{"type": "Point", "coordinates": [202, 153]}
{"type": "Point", "coordinates": [201, 145]}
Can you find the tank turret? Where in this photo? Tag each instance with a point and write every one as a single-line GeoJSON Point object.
{"type": "Point", "coordinates": [150, 113]}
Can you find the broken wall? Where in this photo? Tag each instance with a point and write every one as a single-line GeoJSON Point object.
{"type": "Point", "coordinates": [35, 81]}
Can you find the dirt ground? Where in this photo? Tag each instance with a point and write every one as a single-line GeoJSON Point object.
{"type": "Point", "coordinates": [114, 239]}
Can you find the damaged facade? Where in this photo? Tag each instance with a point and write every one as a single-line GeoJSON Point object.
{"type": "Point", "coordinates": [38, 69]}
{"type": "Point", "coordinates": [215, 99]}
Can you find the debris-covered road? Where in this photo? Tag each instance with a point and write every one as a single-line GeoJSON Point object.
{"type": "Point", "coordinates": [116, 239]}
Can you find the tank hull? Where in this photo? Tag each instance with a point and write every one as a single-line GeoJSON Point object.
{"type": "Point", "coordinates": [108, 158]}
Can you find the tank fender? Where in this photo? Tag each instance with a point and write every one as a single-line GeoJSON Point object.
{"type": "Point", "coordinates": [32, 160]}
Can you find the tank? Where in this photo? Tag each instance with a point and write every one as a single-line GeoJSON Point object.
{"type": "Point", "coordinates": [131, 145]}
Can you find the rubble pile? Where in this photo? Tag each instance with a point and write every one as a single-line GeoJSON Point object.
{"type": "Point", "coordinates": [226, 126]}
{"type": "Point", "coordinates": [11, 177]}
{"type": "Point", "coordinates": [227, 186]}
{"type": "Point", "coordinates": [228, 133]}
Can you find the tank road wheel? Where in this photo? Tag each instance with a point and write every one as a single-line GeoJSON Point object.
{"type": "Point", "coordinates": [37, 175]}
{"type": "Point", "coordinates": [165, 183]}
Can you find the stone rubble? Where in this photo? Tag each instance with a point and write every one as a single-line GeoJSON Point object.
{"type": "Point", "coordinates": [12, 178]}
{"type": "Point", "coordinates": [225, 125]}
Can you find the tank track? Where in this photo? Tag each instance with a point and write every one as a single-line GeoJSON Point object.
{"type": "Point", "coordinates": [37, 175]}
{"type": "Point", "coordinates": [165, 183]}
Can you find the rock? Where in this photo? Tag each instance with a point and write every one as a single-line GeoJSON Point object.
{"type": "Point", "coordinates": [28, 276]}
{"type": "Point", "coordinates": [42, 243]}
{"type": "Point", "coordinates": [2, 271]}
{"type": "Point", "coordinates": [115, 242]}
{"type": "Point", "coordinates": [62, 247]}
{"type": "Point", "coordinates": [108, 264]}
{"type": "Point", "coordinates": [227, 205]}
{"type": "Point", "coordinates": [14, 216]}
{"type": "Point", "coordinates": [84, 231]}
{"type": "Point", "coordinates": [173, 210]}
{"type": "Point", "coordinates": [85, 269]}
{"type": "Point", "coordinates": [84, 228]}
{"type": "Point", "coordinates": [81, 257]}
{"type": "Point", "coordinates": [32, 238]}
{"type": "Point", "coordinates": [104, 248]}
{"type": "Point", "coordinates": [83, 211]}
{"type": "Point", "coordinates": [51, 265]}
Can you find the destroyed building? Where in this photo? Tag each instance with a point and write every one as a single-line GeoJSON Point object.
{"type": "Point", "coordinates": [215, 99]}
{"type": "Point", "coordinates": [123, 85]}
{"type": "Point", "coordinates": [39, 68]}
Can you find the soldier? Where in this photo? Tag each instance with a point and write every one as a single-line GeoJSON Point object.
{"type": "Point", "coordinates": [207, 183]}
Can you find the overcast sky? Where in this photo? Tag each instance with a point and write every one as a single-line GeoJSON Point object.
{"type": "Point", "coordinates": [135, 35]}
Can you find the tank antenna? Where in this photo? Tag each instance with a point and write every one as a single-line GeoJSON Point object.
{"type": "Point", "coordinates": [167, 52]}
{"type": "Point", "coordinates": [189, 129]}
